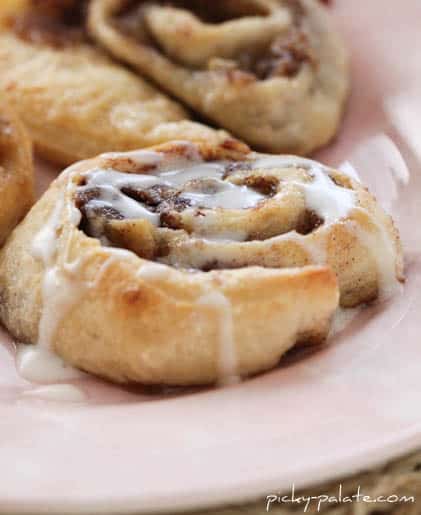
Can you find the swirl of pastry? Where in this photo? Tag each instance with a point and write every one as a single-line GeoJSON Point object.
{"type": "Point", "coordinates": [16, 172]}
{"type": "Point", "coordinates": [272, 72]}
{"type": "Point", "coordinates": [75, 102]}
{"type": "Point", "coordinates": [187, 263]}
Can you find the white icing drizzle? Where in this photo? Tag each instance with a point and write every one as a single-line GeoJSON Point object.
{"type": "Point", "coordinates": [44, 243]}
{"type": "Point", "coordinates": [39, 365]}
{"type": "Point", "coordinates": [57, 393]}
{"type": "Point", "coordinates": [347, 169]}
{"type": "Point", "coordinates": [342, 319]}
{"type": "Point", "coordinates": [60, 290]}
{"type": "Point", "coordinates": [57, 286]}
{"type": "Point", "coordinates": [101, 177]}
{"type": "Point", "coordinates": [227, 356]}
{"type": "Point", "coordinates": [330, 201]}
{"type": "Point", "coordinates": [382, 250]}
{"type": "Point", "coordinates": [178, 177]}
{"type": "Point", "coordinates": [228, 196]}
{"type": "Point", "coordinates": [129, 208]}
{"type": "Point", "coordinates": [223, 194]}
{"type": "Point", "coordinates": [152, 271]}
{"type": "Point", "coordinates": [324, 197]}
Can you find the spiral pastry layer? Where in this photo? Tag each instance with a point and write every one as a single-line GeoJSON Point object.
{"type": "Point", "coordinates": [272, 72]}
{"type": "Point", "coordinates": [191, 262]}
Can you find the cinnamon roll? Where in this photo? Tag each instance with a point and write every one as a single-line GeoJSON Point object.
{"type": "Point", "coordinates": [272, 72]}
{"type": "Point", "coordinates": [16, 172]}
{"type": "Point", "coordinates": [74, 100]}
{"type": "Point", "coordinates": [191, 262]}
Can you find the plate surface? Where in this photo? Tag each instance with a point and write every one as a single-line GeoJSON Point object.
{"type": "Point", "coordinates": [351, 405]}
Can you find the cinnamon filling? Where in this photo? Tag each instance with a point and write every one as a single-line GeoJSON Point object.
{"type": "Point", "coordinates": [309, 222]}
{"type": "Point", "coordinates": [61, 23]}
{"type": "Point", "coordinates": [284, 56]}
{"type": "Point", "coordinates": [156, 214]}
{"type": "Point", "coordinates": [161, 198]}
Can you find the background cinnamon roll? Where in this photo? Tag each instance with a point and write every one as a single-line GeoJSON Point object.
{"type": "Point", "coordinates": [16, 172]}
{"type": "Point", "coordinates": [188, 263]}
{"type": "Point", "coordinates": [273, 72]}
{"type": "Point", "coordinates": [73, 99]}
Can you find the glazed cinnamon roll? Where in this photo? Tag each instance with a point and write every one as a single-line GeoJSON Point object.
{"type": "Point", "coordinates": [272, 72]}
{"type": "Point", "coordinates": [16, 172]}
{"type": "Point", "coordinates": [188, 263]}
{"type": "Point", "coordinates": [74, 100]}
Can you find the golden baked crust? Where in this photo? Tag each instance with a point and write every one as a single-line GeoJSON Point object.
{"type": "Point", "coordinates": [16, 172]}
{"type": "Point", "coordinates": [77, 103]}
{"type": "Point", "coordinates": [272, 72]}
{"type": "Point", "coordinates": [163, 312]}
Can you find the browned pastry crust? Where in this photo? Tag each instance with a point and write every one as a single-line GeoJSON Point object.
{"type": "Point", "coordinates": [272, 72]}
{"type": "Point", "coordinates": [74, 100]}
{"type": "Point", "coordinates": [16, 172]}
{"type": "Point", "coordinates": [187, 263]}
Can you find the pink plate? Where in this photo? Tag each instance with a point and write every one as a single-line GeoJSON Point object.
{"type": "Point", "coordinates": [351, 405]}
